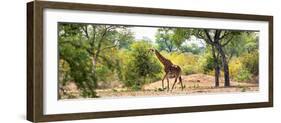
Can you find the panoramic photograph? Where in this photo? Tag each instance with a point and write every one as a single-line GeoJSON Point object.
{"type": "Point", "coordinates": [115, 61]}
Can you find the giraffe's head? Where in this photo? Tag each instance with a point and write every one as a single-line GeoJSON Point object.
{"type": "Point", "coordinates": [151, 50]}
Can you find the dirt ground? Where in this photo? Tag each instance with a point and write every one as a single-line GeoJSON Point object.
{"type": "Point", "coordinates": [193, 84]}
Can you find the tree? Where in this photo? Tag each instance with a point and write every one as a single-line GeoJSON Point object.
{"type": "Point", "coordinates": [80, 67]}
{"type": "Point", "coordinates": [186, 34]}
{"type": "Point", "coordinates": [242, 42]}
{"type": "Point", "coordinates": [246, 48]}
{"type": "Point", "coordinates": [170, 39]}
{"type": "Point", "coordinates": [191, 48]}
{"type": "Point", "coordinates": [219, 39]}
{"type": "Point", "coordinates": [72, 52]}
{"type": "Point", "coordinates": [84, 46]}
{"type": "Point", "coordinates": [164, 39]}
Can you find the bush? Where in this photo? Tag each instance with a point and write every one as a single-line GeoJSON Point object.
{"type": "Point", "coordinates": [243, 75]}
{"type": "Point", "coordinates": [206, 63]}
{"type": "Point", "coordinates": [80, 68]}
{"type": "Point", "coordinates": [102, 72]}
{"type": "Point", "coordinates": [238, 71]}
{"type": "Point", "coordinates": [251, 61]}
{"type": "Point", "coordinates": [138, 67]}
{"type": "Point", "coordinates": [189, 69]}
{"type": "Point", "coordinates": [235, 66]}
{"type": "Point", "coordinates": [64, 72]}
{"type": "Point", "coordinates": [136, 87]}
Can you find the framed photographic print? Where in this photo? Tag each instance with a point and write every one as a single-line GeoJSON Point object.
{"type": "Point", "coordinates": [97, 61]}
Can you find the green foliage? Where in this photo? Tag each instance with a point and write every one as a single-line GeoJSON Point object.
{"type": "Point", "coordinates": [192, 48]}
{"type": "Point", "coordinates": [103, 73]}
{"type": "Point", "coordinates": [188, 69]}
{"type": "Point", "coordinates": [136, 87]}
{"type": "Point", "coordinates": [125, 38]}
{"type": "Point", "coordinates": [235, 66]}
{"type": "Point", "coordinates": [175, 39]}
{"type": "Point", "coordinates": [64, 71]}
{"type": "Point", "coordinates": [251, 62]}
{"type": "Point", "coordinates": [206, 62]}
{"type": "Point", "coordinates": [139, 67]}
{"type": "Point", "coordinates": [180, 35]}
{"type": "Point", "coordinates": [243, 75]}
{"type": "Point", "coordinates": [164, 39]}
{"type": "Point", "coordinates": [244, 67]}
{"type": "Point", "coordinates": [241, 43]}
{"type": "Point", "coordinates": [87, 50]}
{"type": "Point", "coordinates": [81, 71]}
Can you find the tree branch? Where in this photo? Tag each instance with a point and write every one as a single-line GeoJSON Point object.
{"type": "Point", "coordinates": [71, 43]}
{"type": "Point", "coordinates": [227, 41]}
{"type": "Point", "coordinates": [99, 45]}
{"type": "Point", "coordinates": [85, 29]}
{"type": "Point", "coordinates": [209, 40]}
{"type": "Point", "coordinates": [200, 36]}
{"type": "Point", "coordinates": [108, 47]}
{"type": "Point", "coordinates": [229, 58]}
{"type": "Point", "coordinates": [217, 35]}
{"type": "Point", "coordinates": [92, 42]}
{"type": "Point", "coordinates": [224, 35]}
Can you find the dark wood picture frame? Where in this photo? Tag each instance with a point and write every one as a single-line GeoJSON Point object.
{"type": "Point", "coordinates": [35, 60]}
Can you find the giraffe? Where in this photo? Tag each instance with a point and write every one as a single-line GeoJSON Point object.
{"type": "Point", "coordinates": [169, 68]}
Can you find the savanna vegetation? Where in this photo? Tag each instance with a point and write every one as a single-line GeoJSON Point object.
{"type": "Point", "coordinates": [94, 59]}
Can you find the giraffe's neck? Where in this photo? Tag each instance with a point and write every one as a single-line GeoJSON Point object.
{"type": "Point", "coordinates": [163, 60]}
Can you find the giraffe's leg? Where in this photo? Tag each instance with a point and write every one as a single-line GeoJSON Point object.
{"type": "Point", "coordinates": [176, 78]}
{"type": "Point", "coordinates": [181, 82]}
{"type": "Point", "coordinates": [163, 81]}
{"type": "Point", "coordinates": [168, 83]}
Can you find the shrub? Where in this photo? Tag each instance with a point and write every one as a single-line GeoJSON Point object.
{"type": "Point", "coordinates": [80, 68]}
{"type": "Point", "coordinates": [138, 66]}
{"type": "Point", "coordinates": [136, 87]}
{"type": "Point", "coordinates": [235, 66]}
{"type": "Point", "coordinates": [244, 67]}
{"type": "Point", "coordinates": [189, 69]}
{"type": "Point", "coordinates": [251, 61]}
{"type": "Point", "coordinates": [102, 72]}
{"type": "Point", "coordinates": [238, 71]}
{"type": "Point", "coordinates": [206, 63]}
{"type": "Point", "coordinates": [64, 72]}
{"type": "Point", "coordinates": [243, 75]}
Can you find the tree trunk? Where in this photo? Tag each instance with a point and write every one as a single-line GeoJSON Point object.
{"type": "Point", "coordinates": [217, 68]}
{"type": "Point", "coordinates": [217, 76]}
{"type": "Point", "coordinates": [225, 65]}
{"type": "Point", "coordinates": [94, 65]}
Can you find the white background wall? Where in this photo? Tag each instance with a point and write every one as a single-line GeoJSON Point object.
{"type": "Point", "coordinates": [13, 61]}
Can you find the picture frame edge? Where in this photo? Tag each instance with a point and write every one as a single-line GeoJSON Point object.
{"type": "Point", "coordinates": [35, 62]}
{"type": "Point", "coordinates": [30, 88]}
